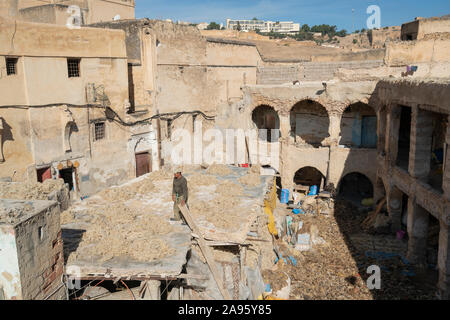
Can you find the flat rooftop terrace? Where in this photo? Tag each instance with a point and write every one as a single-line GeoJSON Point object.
{"type": "Point", "coordinates": [126, 231]}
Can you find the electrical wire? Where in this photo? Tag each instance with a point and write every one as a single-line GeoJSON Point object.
{"type": "Point", "coordinates": [86, 291]}
{"type": "Point", "coordinates": [170, 116]}
{"type": "Point", "coordinates": [131, 292]}
{"type": "Point", "coordinates": [75, 292]}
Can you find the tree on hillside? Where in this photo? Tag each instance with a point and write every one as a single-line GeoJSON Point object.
{"type": "Point", "coordinates": [238, 28]}
{"type": "Point", "coordinates": [341, 33]}
{"type": "Point", "coordinates": [213, 26]}
{"type": "Point", "coordinates": [325, 29]}
{"type": "Point", "coordinates": [303, 36]}
{"type": "Point", "coordinates": [305, 28]}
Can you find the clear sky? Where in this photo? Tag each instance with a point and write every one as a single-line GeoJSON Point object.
{"type": "Point", "coordinates": [333, 12]}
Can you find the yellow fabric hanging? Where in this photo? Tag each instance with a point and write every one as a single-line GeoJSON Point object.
{"type": "Point", "coordinates": [269, 206]}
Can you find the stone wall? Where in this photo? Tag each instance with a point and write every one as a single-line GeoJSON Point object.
{"type": "Point", "coordinates": [57, 12]}
{"type": "Point", "coordinates": [278, 74]}
{"type": "Point", "coordinates": [420, 28]}
{"type": "Point", "coordinates": [322, 71]}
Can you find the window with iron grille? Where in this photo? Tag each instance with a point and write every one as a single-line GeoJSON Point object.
{"type": "Point", "coordinates": [99, 131]}
{"type": "Point", "coordinates": [11, 66]}
{"type": "Point", "coordinates": [73, 67]}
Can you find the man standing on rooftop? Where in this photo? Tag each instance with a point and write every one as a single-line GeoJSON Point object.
{"type": "Point", "coordinates": [179, 195]}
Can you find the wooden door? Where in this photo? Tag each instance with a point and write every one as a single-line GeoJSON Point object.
{"type": "Point", "coordinates": [143, 164]}
{"type": "Point", "coordinates": [369, 132]}
{"type": "Point", "coordinates": [44, 174]}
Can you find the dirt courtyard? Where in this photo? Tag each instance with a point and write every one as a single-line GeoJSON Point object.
{"type": "Point", "coordinates": [337, 269]}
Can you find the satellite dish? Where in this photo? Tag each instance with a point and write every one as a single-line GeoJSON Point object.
{"type": "Point", "coordinates": [117, 17]}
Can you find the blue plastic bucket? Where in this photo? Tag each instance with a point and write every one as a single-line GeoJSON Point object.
{"type": "Point", "coordinates": [285, 196]}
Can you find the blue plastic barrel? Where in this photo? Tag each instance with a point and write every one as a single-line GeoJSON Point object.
{"type": "Point", "coordinates": [313, 191]}
{"type": "Point", "coordinates": [285, 196]}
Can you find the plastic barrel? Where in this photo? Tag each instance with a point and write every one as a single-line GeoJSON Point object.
{"type": "Point", "coordinates": [285, 196]}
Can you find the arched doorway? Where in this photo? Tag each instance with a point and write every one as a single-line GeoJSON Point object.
{"type": "Point", "coordinates": [359, 126]}
{"type": "Point", "coordinates": [307, 177]}
{"type": "Point", "coordinates": [266, 119]}
{"type": "Point", "coordinates": [355, 187]}
{"type": "Point", "coordinates": [309, 123]}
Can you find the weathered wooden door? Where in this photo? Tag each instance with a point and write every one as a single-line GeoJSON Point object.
{"type": "Point", "coordinates": [44, 174]}
{"type": "Point", "coordinates": [143, 164]}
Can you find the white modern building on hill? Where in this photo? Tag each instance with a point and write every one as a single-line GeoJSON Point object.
{"type": "Point", "coordinates": [264, 26]}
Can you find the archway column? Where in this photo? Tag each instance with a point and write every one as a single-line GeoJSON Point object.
{"type": "Point", "coordinates": [392, 133]}
{"type": "Point", "coordinates": [444, 261]}
{"type": "Point", "coordinates": [444, 233]}
{"type": "Point", "coordinates": [335, 127]}
{"type": "Point", "coordinates": [421, 140]}
{"type": "Point", "coordinates": [285, 128]}
{"type": "Point", "coordinates": [395, 209]}
{"type": "Point", "coordinates": [417, 231]}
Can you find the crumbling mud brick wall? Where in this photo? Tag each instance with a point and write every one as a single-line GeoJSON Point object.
{"type": "Point", "coordinates": [36, 238]}
{"type": "Point", "coordinates": [50, 121]}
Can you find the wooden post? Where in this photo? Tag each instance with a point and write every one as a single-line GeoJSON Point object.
{"type": "Point", "coordinates": [242, 256]}
{"type": "Point", "coordinates": [206, 250]}
{"type": "Point", "coordinates": [152, 290]}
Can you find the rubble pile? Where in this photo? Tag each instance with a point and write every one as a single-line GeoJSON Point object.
{"type": "Point", "coordinates": [30, 190]}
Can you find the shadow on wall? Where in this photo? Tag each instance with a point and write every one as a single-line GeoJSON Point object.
{"type": "Point", "coordinates": [309, 123]}
{"type": "Point", "coordinates": [377, 245]}
{"type": "Point", "coordinates": [5, 135]}
{"type": "Point", "coordinates": [265, 117]}
{"type": "Point", "coordinates": [71, 240]}
{"type": "Point", "coordinates": [359, 126]}
{"type": "Point", "coordinates": [308, 177]}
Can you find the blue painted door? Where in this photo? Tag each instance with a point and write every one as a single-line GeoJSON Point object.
{"type": "Point", "coordinates": [369, 132]}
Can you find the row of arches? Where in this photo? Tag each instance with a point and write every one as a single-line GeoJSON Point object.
{"type": "Point", "coordinates": [354, 186]}
{"type": "Point", "coordinates": [310, 122]}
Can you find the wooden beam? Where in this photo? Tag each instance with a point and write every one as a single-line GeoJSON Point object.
{"type": "Point", "coordinates": [143, 278]}
{"type": "Point", "coordinates": [206, 250]}
{"type": "Point", "coordinates": [213, 243]}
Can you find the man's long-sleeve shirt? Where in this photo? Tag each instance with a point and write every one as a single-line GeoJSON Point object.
{"type": "Point", "coordinates": [180, 188]}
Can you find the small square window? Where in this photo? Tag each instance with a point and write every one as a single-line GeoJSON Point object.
{"type": "Point", "coordinates": [11, 66]}
{"type": "Point", "coordinates": [99, 131]}
{"type": "Point", "coordinates": [73, 67]}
